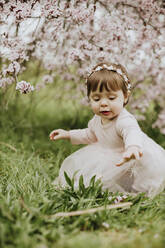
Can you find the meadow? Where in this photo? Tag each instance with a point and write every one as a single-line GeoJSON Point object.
{"type": "Point", "coordinates": [29, 162]}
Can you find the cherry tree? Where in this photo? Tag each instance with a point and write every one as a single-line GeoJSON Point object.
{"type": "Point", "coordinates": [68, 37]}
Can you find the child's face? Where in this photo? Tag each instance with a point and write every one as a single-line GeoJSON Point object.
{"type": "Point", "coordinates": [107, 104]}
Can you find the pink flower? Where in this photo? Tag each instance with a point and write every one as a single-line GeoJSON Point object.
{"type": "Point", "coordinates": [14, 67]}
{"type": "Point", "coordinates": [70, 37]}
{"type": "Point", "coordinates": [47, 79]}
{"type": "Point", "coordinates": [120, 199]}
{"type": "Point", "coordinates": [4, 82]}
{"type": "Point", "coordinates": [24, 87]}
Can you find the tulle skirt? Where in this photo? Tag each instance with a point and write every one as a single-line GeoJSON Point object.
{"type": "Point", "coordinates": [144, 175]}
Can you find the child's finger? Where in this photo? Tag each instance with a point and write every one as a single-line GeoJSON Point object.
{"type": "Point", "coordinates": [140, 154]}
{"type": "Point", "coordinates": [126, 158]}
{"type": "Point", "coordinates": [137, 155]}
{"type": "Point", "coordinates": [121, 162]}
{"type": "Point", "coordinates": [56, 137]}
{"type": "Point", "coordinates": [50, 136]}
{"type": "Point", "coordinates": [128, 155]}
{"type": "Point", "coordinates": [53, 134]}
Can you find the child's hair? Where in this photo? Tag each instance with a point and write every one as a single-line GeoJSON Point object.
{"type": "Point", "coordinates": [110, 76]}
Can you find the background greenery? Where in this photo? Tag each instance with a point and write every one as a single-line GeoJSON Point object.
{"type": "Point", "coordinates": [29, 162]}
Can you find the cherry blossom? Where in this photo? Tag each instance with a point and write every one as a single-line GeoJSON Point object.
{"type": "Point", "coordinates": [24, 87]}
{"type": "Point", "coordinates": [13, 67]}
{"type": "Point", "coordinates": [120, 199]}
{"type": "Point", "coordinates": [63, 35]}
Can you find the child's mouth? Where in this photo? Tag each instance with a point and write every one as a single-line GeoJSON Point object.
{"type": "Point", "coordinates": [105, 112]}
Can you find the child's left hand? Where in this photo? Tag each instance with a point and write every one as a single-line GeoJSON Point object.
{"type": "Point", "coordinates": [133, 152]}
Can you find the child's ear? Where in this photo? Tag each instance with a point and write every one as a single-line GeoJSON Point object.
{"type": "Point", "coordinates": [126, 97]}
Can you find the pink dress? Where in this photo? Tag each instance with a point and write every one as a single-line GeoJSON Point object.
{"type": "Point", "coordinates": [106, 143]}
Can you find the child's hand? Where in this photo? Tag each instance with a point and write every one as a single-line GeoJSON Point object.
{"type": "Point", "coordinates": [59, 134]}
{"type": "Point", "coordinates": [133, 152]}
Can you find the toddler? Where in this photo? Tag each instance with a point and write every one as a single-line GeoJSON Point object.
{"type": "Point", "coordinates": [118, 152]}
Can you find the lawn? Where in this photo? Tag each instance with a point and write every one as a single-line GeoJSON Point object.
{"type": "Point", "coordinates": [29, 162]}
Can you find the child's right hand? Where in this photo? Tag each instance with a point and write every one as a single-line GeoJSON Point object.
{"type": "Point", "coordinates": [132, 152]}
{"type": "Point", "coordinates": [59, 134]}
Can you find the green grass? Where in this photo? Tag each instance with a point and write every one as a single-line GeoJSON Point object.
{"type": "Point", "coordinates": [29, 163]}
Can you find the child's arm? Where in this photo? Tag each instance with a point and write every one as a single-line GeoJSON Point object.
{"type": "Point", "coordinates": [78, 136]}
{"type": "Point", "coordinates": [131, 134]}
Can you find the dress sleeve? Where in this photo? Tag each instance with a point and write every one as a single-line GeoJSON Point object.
{"type": "Point", "coordinates": [128, 129]}
{"type": "Point", "coordinates": [83, 136]}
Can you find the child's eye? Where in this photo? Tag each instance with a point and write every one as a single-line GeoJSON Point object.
{"type": "Point", "coordinates": [96, 99]}
{"type": "Point", "coordinates": [112, 98]}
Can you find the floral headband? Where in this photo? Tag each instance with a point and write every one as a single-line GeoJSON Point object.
{"type": "Point", "coordinates": [111, 68]}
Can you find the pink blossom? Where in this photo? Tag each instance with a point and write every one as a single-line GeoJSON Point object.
{"type": "Point", "coordinates": [75, 55]}
{"type": "Point", "coordinates": [51, 10]}
{"type": "Point", "coordinates": [5, 81]}
{"type": "Point", "coordinates": [2, 83]}
{"type": "Point", "coordinates": [79, 15]}
{"type": "Point", "coordinates": [120, 199]}
{"type": "Point", "coordinates": [17, 10]}
{"type": "Point", "coordinates": [13, 67]}
{"type": "Point", "coordinates": [24, 87]}
{"type": "Point", "coordinates": [47, 79]}
{"type": "Point", "coordinates": [70, 37]}
{"type": "Point", "coordinates": [40, 86]}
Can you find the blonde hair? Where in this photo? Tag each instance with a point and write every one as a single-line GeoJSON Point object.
{"type": "Point", "coordinates": [109, 79]}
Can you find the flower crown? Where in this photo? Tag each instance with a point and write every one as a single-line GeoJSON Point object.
{"type": "Point", "coordinates": [111, 68]}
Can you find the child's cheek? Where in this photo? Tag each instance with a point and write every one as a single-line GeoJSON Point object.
{"type": "Point", "coordinates": [118, 106]}
{"type": "Point", "coordinates": [95, 107]}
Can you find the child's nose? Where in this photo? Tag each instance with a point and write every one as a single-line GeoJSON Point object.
{"type": "Point", "coordinates": [104, 102]}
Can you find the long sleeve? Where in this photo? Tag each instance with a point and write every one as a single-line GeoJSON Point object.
{"type": "Point", "coordinates": [127, 127]}
{"type": "Point", "coordinates": [83, 136]}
